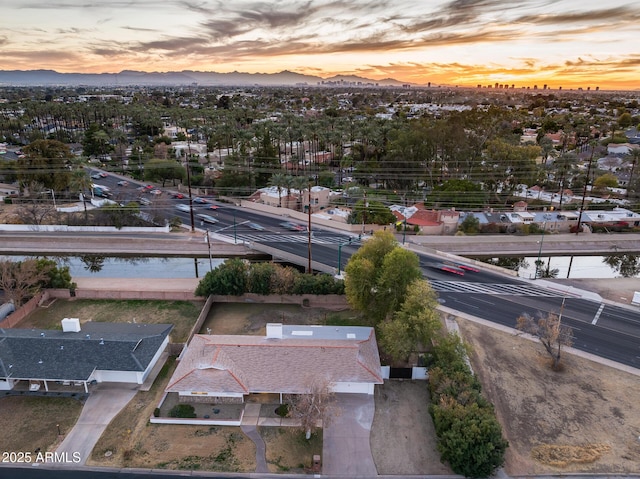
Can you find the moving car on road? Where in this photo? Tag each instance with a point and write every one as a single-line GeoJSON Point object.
{"type": "Point", "coordinates": [207, 218]}
{"type": "Point", "coordinates": [255, 226]}
{"type": "Point", "coordinates": [288, 225]}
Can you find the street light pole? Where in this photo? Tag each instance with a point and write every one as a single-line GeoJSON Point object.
{"type": "Point", "coordinates": [544, 225]}
{"type": "Point", "coordinates": [404, 230]}
{"type": "Point", "coordinates": [309, 270]}
{"type": "Point", "coordinates": [235, 236]}
{"type": "Point", "coordinates": [209, 248]}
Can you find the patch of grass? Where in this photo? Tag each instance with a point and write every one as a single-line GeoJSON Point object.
{"type": "Point", "coordinates": [288, 450]}
{"type": "Point", "coordinates": [182, 314]}
{"type": "Point", "coordinates": [28, 423]}
{"type": "Point", "coordinates": [345, 318]}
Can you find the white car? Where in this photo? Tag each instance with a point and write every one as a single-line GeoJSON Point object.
{"type": "Point", "coordinates": [182, 207]}
{"type": "Point", "coordinates": [207, 218]}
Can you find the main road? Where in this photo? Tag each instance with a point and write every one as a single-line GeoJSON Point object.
{"type": "Point", "coordinates": [603, 329]}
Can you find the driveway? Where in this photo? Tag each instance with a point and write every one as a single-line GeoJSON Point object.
{"type": "Point", "coordinates": [104, 402]}
{"type": "Point", "coordinates": [346, 450]}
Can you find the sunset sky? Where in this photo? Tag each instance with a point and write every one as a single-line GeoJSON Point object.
{"type": "Point", "coordinates": [568, 43]}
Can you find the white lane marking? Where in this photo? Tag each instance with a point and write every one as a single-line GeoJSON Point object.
{"type": "Point", "coordinates": [597, 316]}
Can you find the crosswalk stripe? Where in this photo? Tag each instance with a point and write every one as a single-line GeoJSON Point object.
{"type": "Point", "coordinates": [490, 288]}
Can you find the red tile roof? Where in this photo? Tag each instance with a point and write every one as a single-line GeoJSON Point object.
{"type": "Point", "coordinates": [251, 364]}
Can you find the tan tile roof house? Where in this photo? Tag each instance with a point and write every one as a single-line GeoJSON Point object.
{"type": "Point", "coordinates": [284, 361]}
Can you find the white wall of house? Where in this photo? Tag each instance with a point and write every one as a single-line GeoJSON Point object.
{"type": "Point", "coordinates": [153, 361]}
{"type": "Point", "coordinates": [347, 387]}
{"type": "Point", "coordinates": [209, 393]}
{"type": "Point", "coordinates": [6, 385]}
{"type": "Point", "coordinates": [132, 377]}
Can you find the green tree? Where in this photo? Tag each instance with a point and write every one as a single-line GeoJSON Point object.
{"type": "Point", "coordinates": [161, 171]}
{"type": "Point", "coordinates": [260, 277]}
{"type": "Point", "coordinates": [608, 180]}
{"type": "Point", "coordinates": [46, 162]}
{"type": "Point", "coordinates": [414, 325]}
{"type": "Point", "coordinates": [469, 438]}
{"type": "Point", "coordinates": [371, 212]}
{"type": "Point", "coordinates": [378, 274]}
{"type": "Point", "coordinates": [470, 225]}
{"type": "Point", "coordinates": [625, 120]}
{"type": "Point", "coordinates": [229, 278]}
{"type": "Point", "coordinates": [57, 276]}
{"type": "Point", "coordinates": [400, 268]}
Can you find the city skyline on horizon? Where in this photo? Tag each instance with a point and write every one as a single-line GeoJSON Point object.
{"type": "Point", "coordinates": [565, 44]}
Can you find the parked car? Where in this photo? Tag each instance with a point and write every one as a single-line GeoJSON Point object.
{"type": "Point", "coordinates": [207, 218]}
{"type": "Point", "coordinates": [255, 226]}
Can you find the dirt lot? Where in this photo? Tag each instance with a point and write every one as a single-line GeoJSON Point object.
{"type": "Point", "coordinates": [403, 439]}
{"type": "Point", "coordinates": [288, 450]}
{"type": "Point", "coordinates": [250, 318]}
{"type": "Point", "coordinates": [588, 412]}
{"type": "Point", "coordinates": [28, 423]}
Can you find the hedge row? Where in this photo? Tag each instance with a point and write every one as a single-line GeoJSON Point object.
{"type": "Point", "coordinates": [235, 277]}
{"type": "Point", "coordinates": [469, 434]}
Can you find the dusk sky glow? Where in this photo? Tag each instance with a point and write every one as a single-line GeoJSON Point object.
{"type": "Point", "coordinates": [566, 43]}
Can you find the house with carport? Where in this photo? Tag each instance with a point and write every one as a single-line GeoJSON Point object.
{"type": "Point", "coordinates": [94, 353]}
{"type": "Point", "coordinates": [228, 368]}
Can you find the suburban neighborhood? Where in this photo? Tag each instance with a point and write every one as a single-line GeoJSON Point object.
{"type": "Point", "coordinates": [320, 328]}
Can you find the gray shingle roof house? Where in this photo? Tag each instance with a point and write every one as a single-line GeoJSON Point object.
{"type": "Point", "coordinates": [284, 361]}
{"type": "Point", "coordinates": [104, 352]}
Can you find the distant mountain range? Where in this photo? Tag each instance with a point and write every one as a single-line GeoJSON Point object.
{"type": "Point", "coordinates": [183, 78]}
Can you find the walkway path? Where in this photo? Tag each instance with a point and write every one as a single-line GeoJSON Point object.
{"type": "Point", "coordinates": [104, 402]}
{"type": "Point", "coordinates": [249, 427]}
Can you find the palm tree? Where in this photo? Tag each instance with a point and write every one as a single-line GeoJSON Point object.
{"type": "Point", "coordinates": [300, 183]}
{"type": "Point", "coordinates": [80, 182]}
{"type": "Point", "coordinates": [279, 180]}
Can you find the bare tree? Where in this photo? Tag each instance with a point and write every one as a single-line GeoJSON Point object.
{"type": "Point", "coordinates": [35, 210]}
{"type": "Point", "coordinates": [315, 406]}
{"type": "Point", "coordinates": [551, 333]}
{"type": "Point", "coordinates": [21, 280]}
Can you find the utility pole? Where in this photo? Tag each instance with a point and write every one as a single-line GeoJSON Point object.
{"type": "Point", "coordinates": [364, 212]}
{"type": "Point", "coordinates": [584, 193]}
{"type": "Point", "coordinates": [309, 270]}
{"type": "Point", "coordinates": [189, 187]}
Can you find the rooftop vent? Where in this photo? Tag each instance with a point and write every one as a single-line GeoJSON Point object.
{"type": "Point", "coordinates": [274, 330]}
{"type": "Point", "coordinates": [71, 325]}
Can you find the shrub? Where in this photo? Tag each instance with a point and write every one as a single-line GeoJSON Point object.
{"type": "Point", "coordinates": [283, 410]}
{"type": "Point", "coordinates": [469, 434]}
{"type": "Point", "coordinates": [182, 410]}
{"type": "Point", "coordinates": [156, 412]}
